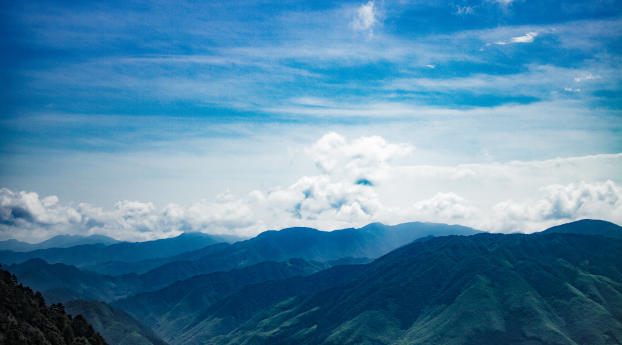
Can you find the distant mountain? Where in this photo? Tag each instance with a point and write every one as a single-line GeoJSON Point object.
{"type": "Point", "coordinates": [61, 283]}
{"type": "Point", "coordinates": [65, 241]}
{"type": "Point", "coordinates": [482, 289]}
{"type": "Point", "coordinates": [123, 267]}
{"type": "Point", "coordinates": [93, 254]}
{"type": "Point", "coordinates": [116, 326]}
{"type": "Point", "coordinates": [170, 309]}
{"type": "Point", "coordinates": [25, 319]}
{"type": "Point", "coordinates": [60, 241]}
{"type": "Point", "coordinates": [588, 227]}
{"type": "Point", "coordinates": [310, 244]}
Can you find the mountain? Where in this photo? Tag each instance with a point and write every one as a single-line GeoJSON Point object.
{"type": "Point", "coordinates": [310, 244]}
{"type": "Point", "coordinates": [482, 289]}
{"type": "Point", "coordinates": [25, 319]}
{"type": "Point", "coordinates": [65, 241]}
{"type": "Point", "coordinates": [92, 254]}
{"type": "Point", "coordinates": [139, 267]}
{"type": "Point", "coordinates": [60, 241]}
{"type": "Point", "coordinates": [588, 227]}
{"type": "Point", "coordinates": [116, 326]}
{"type": "Point", "coordinates": [170, 309]}
{"type": "Point", "coordinates": [61, 283]}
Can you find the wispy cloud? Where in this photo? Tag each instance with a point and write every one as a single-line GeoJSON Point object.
{"type": "Point", "coordinates": [526, 38]}
{"type": "Point", "coordinates": [365, 17]}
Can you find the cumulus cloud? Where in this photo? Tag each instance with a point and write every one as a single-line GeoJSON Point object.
{"type": "Point", "coordinates": [363, 158]}
{"type": "Point", "coordinates": [22, 208]}
{"type": "Point", "coordinates": [444, 207]}
{"type": "Point", "coordinates": [365, 17]}
{"type": "Point", "coordinates": [564, 203]}
{"type": "Point", "coordinates": [359, 181]}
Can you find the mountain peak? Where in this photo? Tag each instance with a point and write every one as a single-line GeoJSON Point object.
{"type": "Point", "coordinates": [588, 227]}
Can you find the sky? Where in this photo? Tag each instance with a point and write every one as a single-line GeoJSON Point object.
{"type": "Point", "coordinates": [145, 119]}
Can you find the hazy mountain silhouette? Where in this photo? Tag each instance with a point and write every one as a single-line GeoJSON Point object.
{"type": "Point", "coordinates": [60, 241]}
{"type": "Point", "coordinates": [93, 254]}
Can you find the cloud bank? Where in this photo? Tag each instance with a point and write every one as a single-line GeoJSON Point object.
{"type": "Point", "coordinates": [359, 181]}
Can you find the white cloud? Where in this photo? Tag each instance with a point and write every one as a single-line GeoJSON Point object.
{"type": "Point", "coordinates": [504, 2]}
{"type": "Point", "coordinates": [444, 207]}
{"type": "Point", "coordinates": [360, 180]}
{"type": "Point", "coordinates": [26, 207]}
{"type": "Point", "coordinates": [365, 17]}
{"type": "Point", "coordinates": [586, 76]}
{"type": "Point", "coordinates": [526, 38]}
{"type": "Point", "coordinates": [362, 158]}
{"type": "Point", "coordinates": [560, 203]}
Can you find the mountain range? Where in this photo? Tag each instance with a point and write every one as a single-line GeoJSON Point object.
{"type": "Point", "coordinates": [60, 241]}
{"type": "Point", "coordinates": [92, 254]}
{"type": "Point", "coordinates": [413, 283]}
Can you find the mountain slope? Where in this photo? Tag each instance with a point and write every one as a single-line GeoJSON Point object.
{"type": "Point", "coordinates": [25, 319]}
{"type": "Point", "coordinates": [172, 308]}
{"type": "Point", "coordinates": [588, 227]}
{"type": "Point", "coordinates": [139, 267]}
{"type": "Point", "coordinates": [92, 254]}
{"type": "Point", "coordinates": [482, 289]}
{"type": "Point", "coordinates": [310, 244]}
{"type": "Point", "coordinates": [61, 283]}
{"type": "Point", "coordinates": [116, 326]}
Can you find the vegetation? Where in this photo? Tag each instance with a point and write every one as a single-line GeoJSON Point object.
{"type": "Point", "coordinates": [483, 289]}
{"type": "Point", "coordinates": [115, 325]}
{"type": "Point", "coordinates": [25, 319]}
{"type": "Point", "coordinates": [561, 286]}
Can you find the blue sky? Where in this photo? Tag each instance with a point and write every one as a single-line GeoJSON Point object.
{"type": "Point", "coordinates": [223, 108]}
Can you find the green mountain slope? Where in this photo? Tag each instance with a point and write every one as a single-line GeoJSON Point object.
{"type": "Point", "coordinates": [25, 319]}
{"type": "Point", "coordinates": [62, 283]}
{"type": "Point", "coordinates": [171, 309]}
{"type": "Point", "coordinates": [116, 326]}
{"type": "Point", "coordinates": [588, 227]}
{"type": "Point", "coordinates": [482, 289]}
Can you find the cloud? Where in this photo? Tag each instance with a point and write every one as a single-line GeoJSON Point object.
{"type": "Point", "coordinates": [526, 38]}
{"type": "Point", "coordinates": [365, 17]}
{"type": "Point", "coordinates": [444, 207]}
{"type": "Point", "coordinates": [359, 181]}
{"type": "Point", "coordinates": [504, 2]}
{"type": "Point", "coordinates": [586, 76]}
{"type": "Point", "coordinates": [464, 10]}
{"type": "Point", "coordinates": [362, 158]}
{"type": "Point", "coordinates": [569, 202]}
{"type": "Point", "coordinates": [26, 207]}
